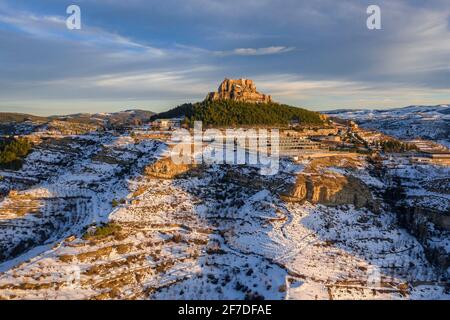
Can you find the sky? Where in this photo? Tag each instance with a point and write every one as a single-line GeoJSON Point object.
{"type": "Point", "coordinates": [155, 55]}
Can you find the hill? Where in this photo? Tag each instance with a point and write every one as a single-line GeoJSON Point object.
{"type": "Point", "coordinates": [18, 123]}
{"type": "Point", "coordinates": [232, 113]}
{"type": "Point", "coordinates": [6, 117]}
{"type": "Point", "coordinates": [121, 118]}
{"type": "Point", "coordinates": [426, 122]}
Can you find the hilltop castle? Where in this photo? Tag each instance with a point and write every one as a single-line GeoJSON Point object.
{"type": "Point", "coordinates": [238, 90]}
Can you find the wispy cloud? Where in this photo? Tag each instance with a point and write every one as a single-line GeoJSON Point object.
{"type": "Point", "coordinates": [255, 51]}
{"type": "Point", "coordinates": [422, 45]}
{"type": "Point", "coordinates": [341, 93]}
{"type": "Point", "coordinates": [238, 51]}
{"type": "Point", "coordinates": [317, 54]}
{"type": "Point", "coordinates": [54, 27]}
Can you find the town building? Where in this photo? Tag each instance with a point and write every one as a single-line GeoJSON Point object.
{"type": "Point", "coordinates": [167, 124]}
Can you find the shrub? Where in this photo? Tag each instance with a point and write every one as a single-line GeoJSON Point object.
{"type": "Point", "coordinates": [177, 238]}
{"type": "Point", "coordinates": [139, 191]}
{"type": "Point", "coordinates": [109, 229]}
{"type": "Point", "coordinates": [397, 146]}
{"type": "Point", "coordinates": [12, 152]}
{"type": "Point", "coordinates": [7, 157]}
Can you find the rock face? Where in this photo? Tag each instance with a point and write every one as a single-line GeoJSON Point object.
{"type": "Point", "coordinates": [424, 224]}
{"type": "Point", "coordinates": [243, 90]}
{"type": "Point", "coordinates": [330, 190]}
{"type": "Point", "coordinates": [167, 169]}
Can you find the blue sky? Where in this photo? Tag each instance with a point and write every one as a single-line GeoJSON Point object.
{"type": "Point", "coordinates": [157, 54]}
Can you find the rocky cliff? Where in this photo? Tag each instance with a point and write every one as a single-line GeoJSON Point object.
{"type": "Point", "coordinates": [238, 90]}
{"type": "Point", "coordinates": [167, 169]}
{"type": "Point", "coordinates": [331, 190]}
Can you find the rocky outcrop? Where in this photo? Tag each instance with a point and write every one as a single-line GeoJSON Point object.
{"type": "Point", "coordinates": [167, 169]}
{"type": "Point", "coordinates": [330, 189]}
{"type": "Point", "coordinates": [243, 90]}
{"type": "Point", "coordinates": [426, 224]}
{"type": "Point", "coordinates": [430, 226]}
{"type": "Point", "coordinates": [415, 219]}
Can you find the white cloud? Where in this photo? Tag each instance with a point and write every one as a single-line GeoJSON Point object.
{"type": "Point", "coordinates": [255, 51]}
{"type": "Point", "coordinates": [54, 27]}
{"type": "Point", "coordinates": [177, 82]}
{"type": "Point", "coordinates": [340, 62]}
{"type": "Point", "coordinates": [329, 94]}
{"type": "Point", "coordinates": [416, 40]}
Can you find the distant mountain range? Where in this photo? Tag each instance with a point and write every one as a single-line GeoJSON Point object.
{"type": "Point", "coordinates": [442, 108]}
{"type": "Point", "coordinates": [6, 117]}
{"type": "Point", "coordinates": [121, 117]}
{"type": "Point", "coordinates": [19, 123]}
{"type": "Point", "coordinates": [127, 117]}
{"type": "Point", "coordinates": [426, 122]}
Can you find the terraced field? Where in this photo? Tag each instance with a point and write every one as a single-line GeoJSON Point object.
{"type": "Point", "coordinates": [224, 232]}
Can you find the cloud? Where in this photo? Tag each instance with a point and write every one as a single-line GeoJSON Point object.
{"type": "Point", "coordinates": [238, 51]}
{"type": "Point", "coordinates": [420, 44]}
{"type": "Point", "coordinates": [54, 27]}
{"type": "Point", "coordinates": [162, 54]}
{"type": "Point", "coordinates": [255, 51]}
{"type": "Point", "coordinates": [331, 94]}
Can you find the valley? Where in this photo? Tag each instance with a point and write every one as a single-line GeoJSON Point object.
{"type": "Point", "coordinates": [216, 232]}
{"type": "Point", "coordinates": [99, 210]}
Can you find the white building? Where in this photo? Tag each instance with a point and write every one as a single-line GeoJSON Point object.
{"type": "Point", "coordinates": [167, 124]}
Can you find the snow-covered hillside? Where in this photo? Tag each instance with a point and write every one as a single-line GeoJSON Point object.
{"type": "Point", "coordinates": [65, 184]}
{"type": "Point", "coordinates": [427, 122]}
{"type": "Point", "coordinates": [213, 232]}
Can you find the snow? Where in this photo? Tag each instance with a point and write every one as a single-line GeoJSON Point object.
{"type": "Point", "coordinates": [204, 236]}
{"type": "Point", "coordinates": [428, 122]}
